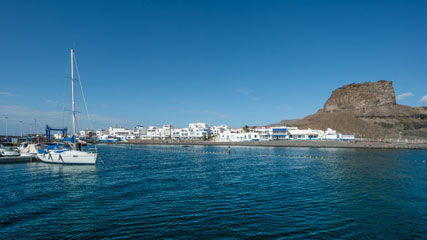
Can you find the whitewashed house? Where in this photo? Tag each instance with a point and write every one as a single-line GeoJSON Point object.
{"type": "Point", "coordinates": [85, 133]}
{"type": "Point", "coordinates": [154, 132]}
{"type": "Point", "coordinates": [344, 137]}
{"type": "Point", "coordinates": [119, 131]}
{"type": "Point", "coordinates": [228, 136]}
{"type": "Point", "coordinates": [139, 131]}
{"type": "Point", "coordinates": [176, 133]}
{"type": "Point", "coordinates": [264, 133]}
{"type": "Point", "coordinates": [278, 133]}
{"type": "Point", "coordinates": [101, 132]}
{"type": "Point", "coordinates": [198, 131]}
{"type": "Point", "coordinates": [331, 134]}
{"type": "Point", "coordinates": [217, 130]}
{"type": "Point", "coordinates": [184, 133]}
{"type": "Point", "coordinates": [306, 134]}
{"type": "Point", "coordinates": [166, 131]}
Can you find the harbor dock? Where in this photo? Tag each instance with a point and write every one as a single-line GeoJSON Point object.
{"type": "Point", "coordinates": [17, 159]}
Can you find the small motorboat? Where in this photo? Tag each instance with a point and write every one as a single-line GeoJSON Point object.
{"type": "Point", "coordinates": [8, 151]}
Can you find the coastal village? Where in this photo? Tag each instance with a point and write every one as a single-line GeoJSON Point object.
{"type": "Point", "coordinates": [213, 119]}
{"type": "Point", "coordinates": [204, 132]}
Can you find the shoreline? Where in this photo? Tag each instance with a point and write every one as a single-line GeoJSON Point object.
{"type": "Point", "coordinates": [286, 143]}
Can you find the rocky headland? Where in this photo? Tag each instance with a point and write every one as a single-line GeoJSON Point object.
{"type": "Point", "coordinates": [367, 110]}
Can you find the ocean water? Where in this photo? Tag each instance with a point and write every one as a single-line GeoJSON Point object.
{"type": "Point", "coordinates": [201, 192]}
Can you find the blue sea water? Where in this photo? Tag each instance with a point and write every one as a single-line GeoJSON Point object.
{"type": "Point", "coordinates": [200, 192]}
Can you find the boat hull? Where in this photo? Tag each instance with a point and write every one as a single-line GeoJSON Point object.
{"type": "Point", "coordinates": [68, 157]}
{"type": "Point", "coordinates": [28, 154]}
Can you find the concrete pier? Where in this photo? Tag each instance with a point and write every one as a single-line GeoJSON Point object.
{"type": "Point", "coordinates": [17, 159]}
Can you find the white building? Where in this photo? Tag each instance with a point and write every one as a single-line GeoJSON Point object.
{"type": "Point", "coordinates": [305, 134]}
{"type": "Point", "coordinates": [228, 136]}
{"type": "Point", "coordinates": [217, 130]}
{"type": "Point", "coordinates": [198, 131]}
{"type": "Point", "coordinates": [330, 134]}
{"type": "Point", "coordinates": [278, 133]}
{"type": "Point", "coordinates": [85, 133]}
{"type": "Point", "coordinates": [139, 131]}
{"type": "Point", "coordinates": [58, 135]}
{"type": "Point", "coordinates": [273, 133]}
{"type": "Point", "coordinates": [236, 130]}
{"type": "Point", "coordinates": [176, 133]}
{"type": "Point", "coordinates": [264, 133]}
{"type": "Point", "coordinates": [166, 131]}
{"type": "Point", "coordinates": [184, 133]}
{"type": "Point", "coordinates": [82, 133]}
{"type": "Point", "coordinates": [154, 132]}
{"type": "Point", "coordinates": [119, 131]}
{"type": "Point", "coordinates": [343, 137]}
{"type": "Point", "coordinates": [101, 132]}
{"type": "Point", "coordinates": [221, 133]}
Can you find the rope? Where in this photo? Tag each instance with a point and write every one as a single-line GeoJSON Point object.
{"type": "Point", "coordinates": [102, 160]}
{"type": "Point", "coordinates": [243, 154]}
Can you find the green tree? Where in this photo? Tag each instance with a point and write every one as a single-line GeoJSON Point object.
{"type": "Point", "coordinates": [246, 128]}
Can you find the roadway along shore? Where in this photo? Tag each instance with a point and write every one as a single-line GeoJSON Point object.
{"type": "Point", "coordinates": [290, 143]}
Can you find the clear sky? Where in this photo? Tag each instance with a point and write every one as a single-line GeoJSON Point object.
{"type": "Point", "coordinates": [220, 62]}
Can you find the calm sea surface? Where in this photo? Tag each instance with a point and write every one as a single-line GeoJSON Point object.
{"type": "Point", "coordinates": [156, 192]}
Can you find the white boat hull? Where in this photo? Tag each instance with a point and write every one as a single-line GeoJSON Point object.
{"type": "Point", "coordinates": [28, 154]}
{"type": "Point", "coordinates": [68, 157]}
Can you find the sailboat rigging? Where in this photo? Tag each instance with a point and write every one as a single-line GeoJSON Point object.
{"type": "Point", "coordinates": [61, 153]}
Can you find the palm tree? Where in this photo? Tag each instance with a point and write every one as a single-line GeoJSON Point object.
{"type": "Point", "coordinates": [246, 128]}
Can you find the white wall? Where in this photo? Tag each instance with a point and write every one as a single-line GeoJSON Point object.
{"type": "Point", "coordinates": [237, 137]}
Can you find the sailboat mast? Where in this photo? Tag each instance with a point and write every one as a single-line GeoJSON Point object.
{"type": "Point", "coordinates": [72, 93]}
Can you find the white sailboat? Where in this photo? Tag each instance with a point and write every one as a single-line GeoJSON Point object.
{"type": "Point", "coordinates": [64, 155]}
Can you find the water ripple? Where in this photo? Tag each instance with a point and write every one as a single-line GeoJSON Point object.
{"type": "Point", "coordinates": [158, 192]}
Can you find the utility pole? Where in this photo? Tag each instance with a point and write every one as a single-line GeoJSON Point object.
{"type": "Point", "coordinates": [35, 126]}
{"type": "Point", "coordinates": [6, 127]}
{"type": "Point", "coordinates": [21, 128]}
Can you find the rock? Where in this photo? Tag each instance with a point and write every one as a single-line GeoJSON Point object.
{"type": "Point", "coordinates": [361, 96]}
{"type": "Point", "coordinates": [368, 109]}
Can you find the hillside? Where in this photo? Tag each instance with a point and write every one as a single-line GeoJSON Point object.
{"type": "Point", "coordinates": [367, 109]}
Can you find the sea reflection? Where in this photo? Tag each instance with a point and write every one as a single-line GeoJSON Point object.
{"type": "Point", "coordinates": [202, 192]}
{"type": "Point", "coordinates": [70, 169]}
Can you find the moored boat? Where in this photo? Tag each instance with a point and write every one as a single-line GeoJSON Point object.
{"type": "Point", "coordinates": [8, 151]}
{"type": "Point", "coordinates": [28, 149]}
{"type": "Point", "coordinates": [63, 153]}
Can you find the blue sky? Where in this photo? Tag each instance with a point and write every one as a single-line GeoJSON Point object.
{"type": "Point", "coordinates": [220, 62]}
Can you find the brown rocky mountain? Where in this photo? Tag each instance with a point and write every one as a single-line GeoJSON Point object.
{"type": "Point", "coordinates": [367, 109]}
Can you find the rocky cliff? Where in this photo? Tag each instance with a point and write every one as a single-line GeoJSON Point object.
{"type": "Point", "coordinates": [368, 109]}
{"type": "Point", "coordinates": [361, 97]}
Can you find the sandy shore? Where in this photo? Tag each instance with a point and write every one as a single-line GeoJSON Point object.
{"type": "Point", "coordinates": [298, 143]}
